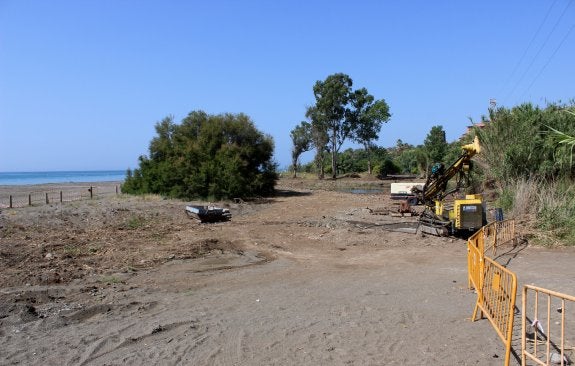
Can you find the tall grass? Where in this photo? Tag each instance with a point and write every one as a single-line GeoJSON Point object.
{"type": "Point", "coordinates": [546, 209]}
{"type": "Point", "coordinates": [556, 214]}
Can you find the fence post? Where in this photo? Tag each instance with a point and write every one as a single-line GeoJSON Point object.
{"type": "Point", "coordinates": [495, 231]}
{"type": "Point", "coordinates": [60, 196]}
{"type": "Point", "coordinates": [47, 200]}
{"type": "Point", "coordinates": [91, 192]}
{"type": "Point", "coordinates": [10, 201]}
{"type": "Point", "coordinates": [29, 199]}
{"type": "Point", "coordinates": [116, 190]}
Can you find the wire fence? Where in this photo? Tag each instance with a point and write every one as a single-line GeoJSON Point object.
{"type": "Point", "coordinates": [59, 195]}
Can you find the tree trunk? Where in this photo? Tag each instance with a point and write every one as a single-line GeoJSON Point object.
{"type": "Point", "coordinates": [333, 155]}
{"type": "Point", "coordinates": [319, 165]}
{"type": "Point", "coordinates": [368, 151]}
{"type": "Point", "coordinates": [294, 165]}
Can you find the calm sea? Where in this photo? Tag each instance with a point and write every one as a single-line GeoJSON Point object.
{"type": "Point", "coordinates": [62, 177]}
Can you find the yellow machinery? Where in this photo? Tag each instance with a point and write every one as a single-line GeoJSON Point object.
{"type": "Point", "coordinates": [464, 215]}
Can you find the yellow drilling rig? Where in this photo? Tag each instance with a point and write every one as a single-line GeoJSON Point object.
{"type": "Point", "coordinates": [465, 215]}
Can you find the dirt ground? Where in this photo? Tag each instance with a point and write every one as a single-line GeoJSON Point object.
{"type": "Point", "coordinates": [312, 276]}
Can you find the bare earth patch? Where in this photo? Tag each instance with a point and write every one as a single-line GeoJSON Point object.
{"type": "Point", "coordinates": [309, 277]}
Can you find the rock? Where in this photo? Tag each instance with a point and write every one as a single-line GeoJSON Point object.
{"type": "Point", "coordinates": [555, 359]}
{"type": "Point", "coordinates": [50, 278]}
{"type": "Point", "coordinates": [49, 256]}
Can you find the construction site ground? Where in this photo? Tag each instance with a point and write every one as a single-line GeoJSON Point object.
{"type": "Point", "coordinates": [316, 275]}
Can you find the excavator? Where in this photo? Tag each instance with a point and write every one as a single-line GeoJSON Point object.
{"type": "Point", "coordinates": [465, 215]}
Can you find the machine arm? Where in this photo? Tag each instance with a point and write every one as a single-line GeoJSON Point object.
{"type": "Point", "coordinates": [436, 184]}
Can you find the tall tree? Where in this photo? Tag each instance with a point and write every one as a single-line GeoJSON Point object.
{"type": "Point", "coordinates": [435, 145]}
{"type": "Point", "coordinates": [301, 137]}
{"type": "Point", "coordinates": [332, 97]}
{"type": "Point", "coordinates": [367, 116]}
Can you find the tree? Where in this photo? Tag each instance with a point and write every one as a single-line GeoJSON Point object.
{"type": "Point", "coordinates": [216, 156]}
{"type": "Point", "coordinates": [367, 116]}
{"type": "Point", "coordinates": [342, 113]}
{"type": "Point", "coordinates": [320, 138]}
{"type": "Point", "coordinates": [352, 161]}
{"type": "Point", "coordinates": [406, 160]}
{"type": "Point", "coordinates": [401, 146]}
{"type": "Point", "coordinates": [435, 145]}
{"type": "Point", "coordinates": [422, 161]}
{"type": "Point", "coordinates": [301, 137]}
{"type": "Point", "coordinates": [332, 96]}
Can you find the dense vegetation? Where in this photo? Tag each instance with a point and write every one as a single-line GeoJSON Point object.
{"type": "Point", "coordinates": [207, 156]}
{"type": "Point", "coordinates": [403, 158]}
{"type": "Point", "coordinates": [351, 161]}
{"type": "Point", "coordinates": [527, 153]}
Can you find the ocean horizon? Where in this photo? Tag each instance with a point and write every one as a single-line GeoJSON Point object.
{"type": "Point", "coordinates": [28, 178]}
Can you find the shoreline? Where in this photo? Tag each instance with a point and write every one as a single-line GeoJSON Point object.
{"type": "Point", "coordinates": [64, 184]}
{"type": "Point", "coordinates": [60, 177]}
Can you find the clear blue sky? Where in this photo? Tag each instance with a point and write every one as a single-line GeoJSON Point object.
{"type": "Point", "coordinates": [82, 83]}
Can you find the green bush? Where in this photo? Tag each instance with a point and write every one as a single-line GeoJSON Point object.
{"type": "Point", "coordinates": [216, 156]}
{"type": "Point", "coordinates": [505, 199]}
{"type": "Point", "coordinates": [385, 168]}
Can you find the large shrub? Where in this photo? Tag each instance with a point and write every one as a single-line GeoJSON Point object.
{"type": "Point", "coordinates": [207, 156]}
{"type": "Point", "coordinates": [517, 143]}
{"type": "Point", "coordinates": [532, 164]}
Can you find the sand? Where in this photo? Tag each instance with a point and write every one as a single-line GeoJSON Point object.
{"type": "Point", "coordinates": [309, 277]}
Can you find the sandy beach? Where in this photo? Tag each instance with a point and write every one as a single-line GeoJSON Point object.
{"type": "Point", "coordinates": [308, 277]}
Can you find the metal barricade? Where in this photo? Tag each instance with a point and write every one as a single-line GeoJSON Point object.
{"type": "Point", "coordinates": [474, 266]}
{"type": "Point", "coordinates": [545, 328]}
{"type": "Point", "coordinates": [496, 300]}
{"type": "Point", "coordinates": [498, 233]}
{"type": "Point", "coordinates": [475, 258]}
{"type": "Point", "coordinates": [546, 343]}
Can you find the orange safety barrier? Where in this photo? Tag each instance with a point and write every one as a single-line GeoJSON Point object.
{"type": "Point", "coordinates": [546, 326]}
{"type": "Point", "coordinates": [498, 233]}
{"type": "Point", "coordinates": [496, 288]}
{"type": "Point", "coordinates": [492, 236]}
{"type": "Point", "coordinates": [474, 265]}
{"type": "Point", "coordinates": [496, 294]}
{"type": "Point", "coordinates": [478, 240]}
{"type": "Point", "coordinates": [474, 257]}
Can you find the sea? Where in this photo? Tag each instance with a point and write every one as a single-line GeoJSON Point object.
{"type": "Point", "coordinates": [25, 178]}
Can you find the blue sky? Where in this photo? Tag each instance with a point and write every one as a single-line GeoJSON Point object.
{"type": "Point", "coordinates": [82, 83]}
